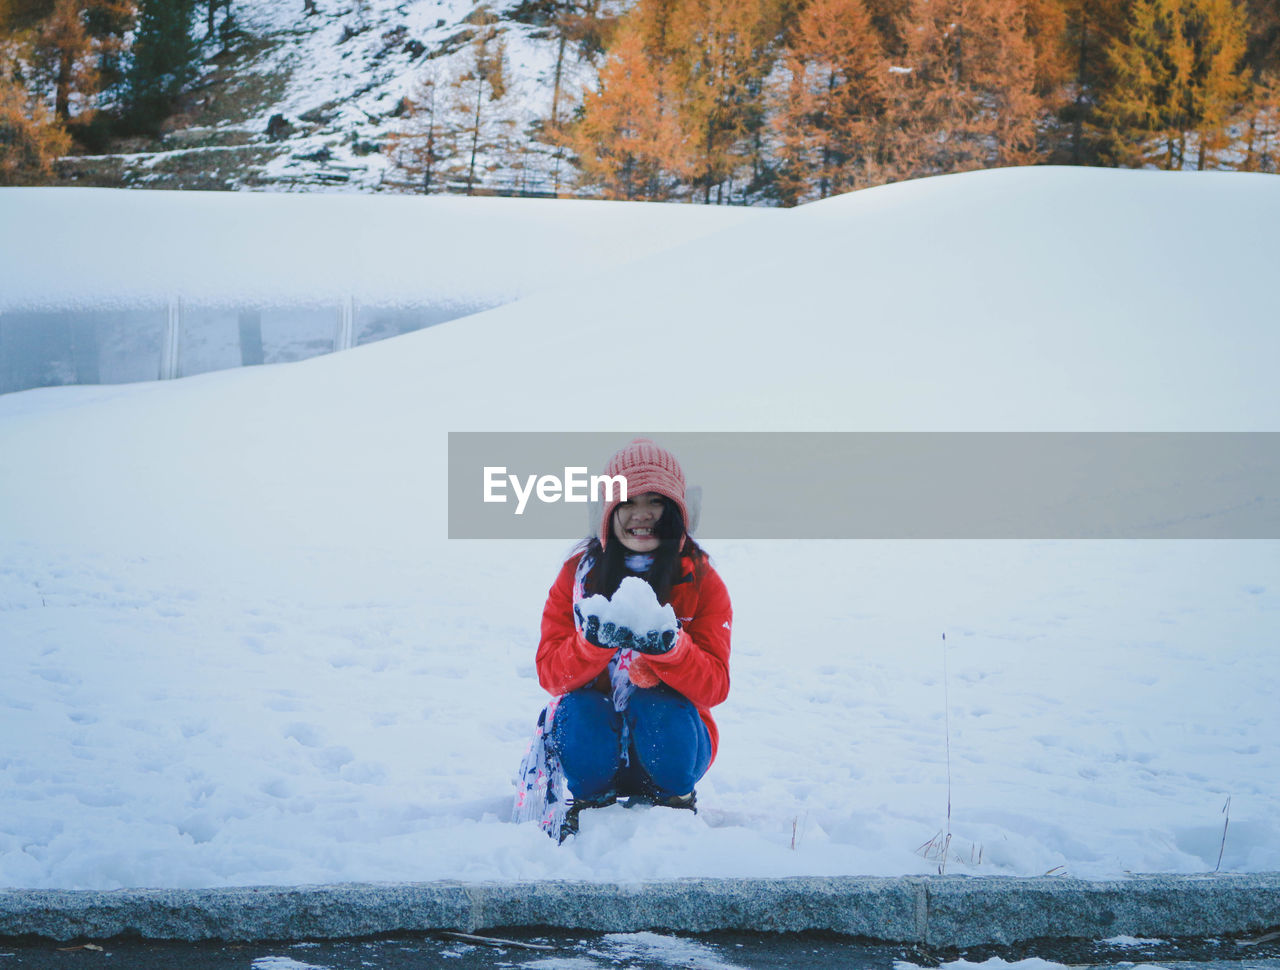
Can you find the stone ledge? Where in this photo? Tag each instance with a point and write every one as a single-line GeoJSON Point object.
{"type": "Point", "coordinates": [941, 911]}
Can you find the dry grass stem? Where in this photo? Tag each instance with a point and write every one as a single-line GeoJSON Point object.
{"type": "Point", "coordinates": [1226, 810]}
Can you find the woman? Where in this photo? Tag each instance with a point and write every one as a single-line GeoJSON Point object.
{"type": "Point", "coordinates": [631, 710]}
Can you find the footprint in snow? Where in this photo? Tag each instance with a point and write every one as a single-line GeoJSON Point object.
{"type": "Point", "coordinates": [55, 675]}
{"type": "Point", "coordinates": [307, 735]}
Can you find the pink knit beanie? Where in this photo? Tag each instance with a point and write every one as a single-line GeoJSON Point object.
{"type": "Point", "coordinates": [647, 468]}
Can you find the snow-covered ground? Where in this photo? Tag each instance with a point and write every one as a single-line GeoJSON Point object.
{"type": "Point", "coordinates": [239, 649]}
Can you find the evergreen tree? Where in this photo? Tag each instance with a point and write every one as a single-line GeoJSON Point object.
{"type": "Point", "coordinates": [63, 54]}
{"type": "Point", "coordinates": [1091, 26]}
{"type": "Point", "coordinates": [72, 47]}
{"type": "Point", "coordinates": [164, 61]}
{"type": "Point", "coordinates": [1263, 53]}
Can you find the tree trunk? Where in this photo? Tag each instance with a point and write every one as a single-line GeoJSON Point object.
{"type": "Point", "coordinates": [475, 138]}
{"type": "Point", "coordinates": [62, 98]}
{"type": "Point", "coordinates": [1077, 127]}
{"type": "Point", "coordinates": [555, 87]}
{"type": "Point", "coordinates": [555, 111]}
{"type": "Point", "coordinates": [429, 161]}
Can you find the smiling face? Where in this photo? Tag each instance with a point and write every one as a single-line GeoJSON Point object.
{"type": "Point", "coordinates": [635, 522]}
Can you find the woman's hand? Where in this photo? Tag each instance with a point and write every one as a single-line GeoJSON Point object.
{"type": "Point", "coordinates": [655, 642]}
{"type": "Point", "coordinates": [590, 627]}
{"type": "Point", "coordinates": [607, 635]}
{"type": "Point", "coordinates": [614, 636]}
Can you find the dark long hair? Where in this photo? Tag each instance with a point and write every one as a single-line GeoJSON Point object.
{"type": "Point", "coordinates": [609, 566]}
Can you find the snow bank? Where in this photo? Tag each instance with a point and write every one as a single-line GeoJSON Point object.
{"type": "Point", "coordinates": [240, 650]}
{"type": "Point", "coordinates": [94, 247]}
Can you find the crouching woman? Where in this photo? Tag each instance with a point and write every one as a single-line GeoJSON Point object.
{"type": "Point", "coordinates": [630, 716]}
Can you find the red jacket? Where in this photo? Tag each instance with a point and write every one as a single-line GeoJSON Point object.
{"type": "Point", "coordinates": [697, 666]}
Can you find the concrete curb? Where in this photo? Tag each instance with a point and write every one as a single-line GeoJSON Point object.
{"type": "Point", "coordinates": [939, 911]}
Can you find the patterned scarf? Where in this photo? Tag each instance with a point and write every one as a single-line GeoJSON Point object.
{"type": "Point", "coordinates": [620, 663]}
{"type": "Point", "coordinates": [540, 785]}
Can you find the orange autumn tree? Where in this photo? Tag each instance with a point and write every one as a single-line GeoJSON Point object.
{"type": "Point", "coordinates": [1177, 73]}
{"type": "Point", "coordinates": [1152, 64]}
{"type": "Point", "coordinates": [422, 142]}
{"type": "Point", "coordinates": [721, 53]}
{"type": "Point", "coordinates": [1262, 126]}
{"type": "Point", "coordinates": [1218, 33]}
{"type": "Point", "coordinates": [832, 102]}
{"type": "Point", "coordinates": [30, 139]}
{"type": "Point", "coordinates": [680, 101]}
{"type": "Point", "coordinates": [71, 42]}
{"type": "Point", "coordinates": [962, 94]}
{"type": "Point", "coordinates": [627, 139]}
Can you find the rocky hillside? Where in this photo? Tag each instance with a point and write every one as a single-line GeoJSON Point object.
{"type": "Point", "coordinates": [311, 94]}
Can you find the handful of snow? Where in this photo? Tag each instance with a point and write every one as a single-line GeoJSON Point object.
{"type": "Point", "coordinates": [634, 605]}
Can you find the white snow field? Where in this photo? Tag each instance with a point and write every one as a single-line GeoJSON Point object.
{"type": "Point", "coordinates": [238, 647]}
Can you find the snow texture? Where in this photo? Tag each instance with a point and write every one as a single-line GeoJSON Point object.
{"type": "Point", "coordinates": [238, 648]}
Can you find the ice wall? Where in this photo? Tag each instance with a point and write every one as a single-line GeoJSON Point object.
{"type": "Point", "coordinates": [107, 285]}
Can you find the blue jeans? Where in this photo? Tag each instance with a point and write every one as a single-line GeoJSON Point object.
{"type": "Point", "coordinates": [668, 746]}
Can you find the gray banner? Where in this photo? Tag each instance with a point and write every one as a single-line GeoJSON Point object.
{"type": "Point", "coordinates": [819, 485]}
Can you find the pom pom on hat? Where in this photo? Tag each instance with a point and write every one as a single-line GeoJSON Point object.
{"type": "Point", "coordinates": [647, 468]}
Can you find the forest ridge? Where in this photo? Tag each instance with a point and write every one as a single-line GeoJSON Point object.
{"type": "Point", "coordinates": [760, 101]}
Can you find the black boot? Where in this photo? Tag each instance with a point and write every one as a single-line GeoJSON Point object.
{"type": "Point", "coordinates": [688, 802]}
{"type": "Point", "coordinates": [576, 805]}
